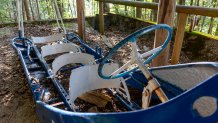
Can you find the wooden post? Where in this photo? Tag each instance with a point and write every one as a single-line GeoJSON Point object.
{"type": "Point", "coordinates": [81, 18]}
{"type": "Point", "coordinates": [166, 11]}
{"type": "Point", "coordinates": [193, 10]}
{"type": "Point", "coordinates": [182, 18]}
{"type": "Point", "coordinates": [101, 17]}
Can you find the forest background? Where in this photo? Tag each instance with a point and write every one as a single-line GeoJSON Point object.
{"type": "Point", "coordinates": [37, 10]}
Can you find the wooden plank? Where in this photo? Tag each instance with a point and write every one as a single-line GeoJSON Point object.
{"type": "Point", "coordinates": [182, 18]}
{"type": "Point", "coordinates": [196, 10]}
{"type": "Point", "coordinates": [96, 98]}
{"type": "Point", "coordinates": [139, 4]}
{"type": "Point", "coordinates": [57, 104]}
{"type": "Point", "coordinates": [101, 17]}
{"type": "Point", "coordinates": [81, 18]}
{"type": "Point", "coordinates": [165, 16]}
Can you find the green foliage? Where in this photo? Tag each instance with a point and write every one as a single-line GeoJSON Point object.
{"type": "Point", "coordinates": [8, 11]}
{"type": "Point", "coordinates": [203, 34]}
{"type": "Point", "coordinates": [5, 9]}
{"type": "Point", "coordinates": [46, 10]}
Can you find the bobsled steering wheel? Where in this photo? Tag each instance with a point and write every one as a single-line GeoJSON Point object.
{"type": "Point", "coordinates": [153, 84]}
{"type": "Point", "coordinates": [136, 55]}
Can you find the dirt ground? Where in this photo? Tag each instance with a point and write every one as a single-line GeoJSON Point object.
{"type": "Point", "coordinates": [16, 102]}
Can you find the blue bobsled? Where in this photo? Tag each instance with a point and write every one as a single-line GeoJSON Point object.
{"type": "Point", "coordinates": [190, 89]}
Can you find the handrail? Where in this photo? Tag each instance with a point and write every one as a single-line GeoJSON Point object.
{"type": "Point", "coordinates": [182, 10]}
{"type": "Point", "coordinates": [139, 4]}
{"type": "Point", "coordinates": [196, 10]}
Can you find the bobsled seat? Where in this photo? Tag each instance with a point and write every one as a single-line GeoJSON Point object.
{"type": "Point", "coordinates": [51, 49]}
{"type": "Point", "coordinates": [59, 48]}
{"type": "Point", "coordinates": [86, 78]}
{"type": "Point", "coordinates": [48, 39]}
{"type": "Point", "coordinates": [70, 58]}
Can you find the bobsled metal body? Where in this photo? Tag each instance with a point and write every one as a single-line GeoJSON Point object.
{"type": "Point", "coordinates": [180, 107]}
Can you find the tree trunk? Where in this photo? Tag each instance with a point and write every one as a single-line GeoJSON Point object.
{"type": "Point", "coordinates": [116, 8]}
{"type": "Point", "coordinates": [214, 2]}
{"type": "Point", "coordinates": [31, 9]}
{"type": "Point", "coordinates": [93, 8]}
{"type": "Point", "coordinates": [191, 3]}
{"type": "Point", "coordinates": [60, 7]}
{"type": "Point", "coordinates": [166, 12]}
{"type": "Point", "coordinates": [181, 2]}
{"type": "Point", "coordinates": [202, 24]}
{"type": "Point", "coordinates": [74, 6]}
{"type": "Point", "coordinates": [197, 2]}
{"type": "Point", "coordinates": [1, 17]}
{"type": "Point", "coordinates": [211, 26]}
{"type": "Point", "coordinates": [134, 12]}
{"type": "Point", "coordinates": [69, 8]}
{"type": "Point", "coordinates": [190, 17]}
{"type": "Point", "coordinates": [216, 33]}
{"type": "Point", "coordinates": [13, 10]}
{"type": "Point", "coordinates": [27, 11]}
{"type": "Point", "coordinates": [139, 11]}
{"type": "Point", "coordinates": [203, 19]}
{"type": "Point", "coordinates": [153, 16]}
{"type": "Point", "coordinates": [196, 18]}
{"type": "Point", "coordinates": [37, 9]}
{"type": "Point", "coordinates": [193, 19]}
{"type": "Point", "coordinates": [126, 10]}
{"type": "Point", "coordinates": [24, 12]}
{"type": "Point", "coordinates": [48, 9]}
{"type": "Point", "coordinates": [191, 24]}
{"type": "Point", "coordinates": [106, 8]}
{"type": "Point", "coordinates": [9, 12]}
{"type": "Point", "coordinates": [14, 5]}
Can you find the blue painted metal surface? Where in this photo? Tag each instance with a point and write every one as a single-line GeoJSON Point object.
{"type": "Point", "coordinates": [178, 109]}
{"type": "Point", "coordinates": [97, 53]}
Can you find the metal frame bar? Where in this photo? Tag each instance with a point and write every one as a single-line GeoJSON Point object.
{"type": "Point", "coordinates": [57, 85]}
